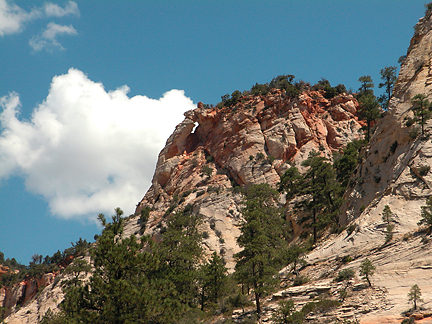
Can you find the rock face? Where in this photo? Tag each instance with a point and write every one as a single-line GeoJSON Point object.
{"type": "Point", "coordinates": [29, 299]}
{"type": "Point", "coordinates": [216, 150]}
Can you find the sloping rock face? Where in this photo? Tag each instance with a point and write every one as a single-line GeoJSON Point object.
{"type": "Point", "coordinates": [214, 151]}
{"type": "Point", "coordinates": [394, 173]}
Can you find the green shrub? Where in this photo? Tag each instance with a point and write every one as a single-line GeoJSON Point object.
{"type": "Point", "coordinates": [260, 156]}
{"type": "Point", "coordinates": [207, 170]}
{"type": "Point", "coordinates": [424, 170]}
{"type": "Point", "coordinates": [345, 274]}
{"type": "Point", "coordinates": [343, 294]}
{"type": "Point", "coordinates": [200, 193]}
{"type": "Point", "coordinates": [410, 121]}
{"type": "Point", "coordinates": [212, 224]}
{"type": "Point", "coordinates": [300, 280]}
{"type": "Point", "coordinates": [270, 159]}
{"type": "Point", "coordinates": [186, 193]}
{"type": "Point", "coordinates": [347, 259]}
{"type": "Point", "coordinates": [393, 147]}
{"type": "Point", "coordinates": [188, 209]}
{"type": "Point", "coordinates": [321, 306]}
{"type": "Point", "coordinates": [259, 89]}
{"type": "Point", "coordinates": [170, 209]}
{"type": "Point", "coordinates": [351, 228]}
{"type": "Point", "coordinates": [414, 132]}
{"type": "Point", "coordinates": [286, 314]}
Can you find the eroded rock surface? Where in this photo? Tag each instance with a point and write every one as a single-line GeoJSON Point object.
{"type": "Point", "coordinates": [252, 142]}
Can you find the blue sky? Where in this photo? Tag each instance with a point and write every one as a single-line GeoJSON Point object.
{"type": "Point", "coordinates": [90, 90]}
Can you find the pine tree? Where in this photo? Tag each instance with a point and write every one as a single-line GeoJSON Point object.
{"type": "Point", "coordinates": [415, 295]}
{"type": "Point", "coordinates": [367, 270]}
{"type": "Point", "coordinates": [138, 281]}
{"type": "Point", "coordinates": [262, 235]}
{"type": "Point", "coordinates": [346, 164]}
{"type": "Point", "coordinates": [325, 193]}
{"type": "Point", "coordinates": [369, 111]}
{"type": "Point", "coordinates": [367, 85]}
{"type": "Point", "coordinates": [387, 216]}
{"type": "Point", "coordinates": [291, 183]}
{"type": "Point", "coordinates": [180, 253]}
{"type": "Point", "coordinates": [421, 109]}
{"type": "Point", "coordinates": [426, 213]}
{"type": "Point", "coordinates": [388, 75]}
{"type": "Point", "coordinates": [213, 278]}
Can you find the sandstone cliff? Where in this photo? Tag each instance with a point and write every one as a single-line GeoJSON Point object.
{"type": "Point", "coordinates": [252, 142]}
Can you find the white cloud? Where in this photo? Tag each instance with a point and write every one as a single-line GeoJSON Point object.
{"type": "Point", "coordinates": [13, 18]}
{"type": "Point", "coordinates": [54, 10]}
{"type": "Point", "coordinates": [48, 38]}
{"type": "Point", "coordinates": [87, 150]}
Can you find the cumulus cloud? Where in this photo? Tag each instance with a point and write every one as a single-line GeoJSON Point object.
{"type": "Point", "coordinates": [48, 38]}
{"type": "Point", "coordinates": [13, 19]}
{"type": "Point", "coordinates": [87, 150]}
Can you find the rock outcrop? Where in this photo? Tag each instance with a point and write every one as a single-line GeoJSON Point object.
{"type": "Point", "coordinates": [29, 299]}
{"type": "Point", "coordinates": [216, 150]}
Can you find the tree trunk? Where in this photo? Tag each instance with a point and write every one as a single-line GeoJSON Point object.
{"type": "Point", "coordinates": [314, 226]}
{"type": "Point", "coordinates": [257, 301]}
